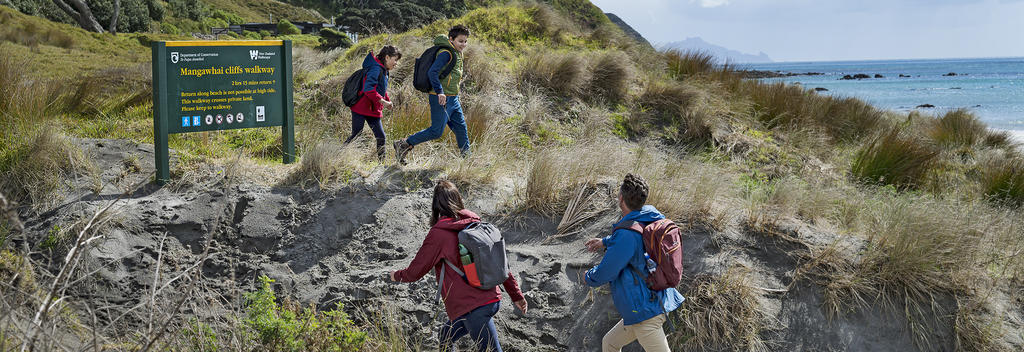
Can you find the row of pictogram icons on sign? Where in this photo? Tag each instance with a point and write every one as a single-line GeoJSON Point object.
{"type": "Point", "coordinates": [197, 121]}
{"type": "Point", "coordinates": [220, 119]}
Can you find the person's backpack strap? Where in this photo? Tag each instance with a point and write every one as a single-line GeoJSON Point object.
{"type": "Point", "coordinates": [447, 70]}
{"type": "Point", "coordinates": [631, 225]}
{"type": "Point", "coordinates": [638, 228]}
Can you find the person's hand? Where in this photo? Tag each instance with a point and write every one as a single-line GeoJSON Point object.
{"type": "Point", "coordinates": [442, 99]}
{"type": "Point", "coordinates": [594, 245]}
{"type": "Point", "coordinates": [521, 304]}
{"type": "Point", "coordinates": [392, 275]}
{"type": "Point", "coordinates": [387, 103]}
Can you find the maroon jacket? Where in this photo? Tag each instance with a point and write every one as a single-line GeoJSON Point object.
{"type": "Point", "coordinates": [442, 242]}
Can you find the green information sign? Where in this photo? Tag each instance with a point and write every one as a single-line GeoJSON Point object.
{"type": "Point", "coordinates": [221, 85]}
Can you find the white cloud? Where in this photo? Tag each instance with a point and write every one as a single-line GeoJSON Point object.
{"type": "Point", "coordinates": [711, 3]}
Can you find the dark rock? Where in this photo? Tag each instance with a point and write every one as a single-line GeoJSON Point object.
{"type": "Point", "coordinates": [926, 106]}
{"type": "Point", "coordinates": [949, 74]}
{"type": "Point", "coordinates": [820, 89]}
{"type": "Point", "coordinates": [903, 75]}
{"type": "Point", "coordinates": [861, 76]}
{"type": "Point", "coordinates": [847, 77]}
{"type": "Point", "coordinates": [773, 74]}
{"type": "Point", "coordinates": [879, 76]}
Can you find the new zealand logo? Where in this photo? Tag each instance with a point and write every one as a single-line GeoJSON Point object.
{"type": "Point", "coordinates": [174, 57]}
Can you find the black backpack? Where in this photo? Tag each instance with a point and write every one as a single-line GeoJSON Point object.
{"type": "Point", "coordinates": [419, 75]}
{"type": "Point", "coordinates": [354, 86]}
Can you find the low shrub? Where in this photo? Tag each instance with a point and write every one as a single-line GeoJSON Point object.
{"type": "Point", "coordinates": [289, 327]}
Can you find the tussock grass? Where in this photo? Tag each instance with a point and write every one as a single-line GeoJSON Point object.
{"type": "Point", "coordinates": [850, 119]}
{"type": "Point", "coordinates": [957, 129]}
{"type": "Point", "coordinates": [325, 162]}
{"type": "Point", "coordinates": [555, 172]}
{"type": "Point", "coordinates": [998, 139]}
{"type": "Point", "coordinates": [723, 312]}
{"type": "Point", "coordinates": [976, 329]}
{"type": "Point", "coordinates": [1002, 180]}
{"type": "Point", "coordinates": [610, 77]}
{"type": "Point", "coordinates": [684, 64]}
{"type": "Point", "coordinates": [483, 72]}
{"type": "Point", "coordinates": [894, 158]}
{"type": "Point", "coordinates": [777, 104]}
{"type": "Point", "coordinates": [665, 99]}
{"type": "Point", "coordinates": [560, 74]}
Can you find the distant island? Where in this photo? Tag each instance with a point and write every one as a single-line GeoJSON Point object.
{"type": "Point", "coordinates": [696, 43]}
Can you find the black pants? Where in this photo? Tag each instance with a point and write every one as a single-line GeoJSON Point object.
{"type": "Point", "coordinates": [375, 125]}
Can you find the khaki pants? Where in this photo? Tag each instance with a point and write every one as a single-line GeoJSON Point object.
{"type": "Point", "coordinates": [648, 333]}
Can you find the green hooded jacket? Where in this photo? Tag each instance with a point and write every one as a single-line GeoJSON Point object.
{"type": "Point", "coordinates": [450, 84]}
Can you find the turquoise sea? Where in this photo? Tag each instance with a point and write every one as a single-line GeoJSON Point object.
{"type": "Point", "coordinates": [991, 88]}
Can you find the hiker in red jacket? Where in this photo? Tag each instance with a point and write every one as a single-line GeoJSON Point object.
{"type": "Point", "coordinates": [374, 95]}
{"type": "Point", "coordinates": [469, 309]}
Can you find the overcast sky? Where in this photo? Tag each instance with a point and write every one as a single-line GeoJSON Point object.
{"type": "Point", "coordinates": [809, 30]}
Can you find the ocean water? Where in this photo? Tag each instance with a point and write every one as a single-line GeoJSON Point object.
{"type": "Point", "coordinates": [991, 88]}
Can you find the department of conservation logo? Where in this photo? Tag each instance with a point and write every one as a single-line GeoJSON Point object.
{"type": "Point", "coordinates": [174, 57]}
{"type": "Point", "coordinates": [254, 54]}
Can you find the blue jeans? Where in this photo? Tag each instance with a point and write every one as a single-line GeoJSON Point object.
{"type": "Point", "coordinates": [478, 324]}
{"type": "Point", "coordinates": [450, 114]}
{"type": "Point", "coordinates": [358, 120]}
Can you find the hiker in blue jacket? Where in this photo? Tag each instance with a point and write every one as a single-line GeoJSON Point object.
{"type": "Point", "coordinates": [624, 267]}
{"type": "Point", "coordinates": [445, 105]}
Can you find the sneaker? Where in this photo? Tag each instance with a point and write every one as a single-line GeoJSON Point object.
{"type": "Point", "coordinates": [402, 148]}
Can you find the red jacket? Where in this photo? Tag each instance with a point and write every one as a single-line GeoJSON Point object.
{"type": "Point", "coordinates": [442, 242]}
{"type": "Point", "coordinates": [373, 88]}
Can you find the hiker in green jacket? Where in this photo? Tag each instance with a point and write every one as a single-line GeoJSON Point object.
{"type": "Point", "coordinates": [445, 108]}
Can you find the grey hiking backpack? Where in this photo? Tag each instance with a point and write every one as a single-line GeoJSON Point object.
{"type": "Point", "coordinates": [482, 253]}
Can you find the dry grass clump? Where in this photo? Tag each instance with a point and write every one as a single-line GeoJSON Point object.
{"type": "Point", "coordinates": [559, 73]}
{"type": "Point", "coordinates": [894, 158]}
{"type": "Point", "coordinates": [609, 78]}
{"type": "Point", "coordinates": [1002, 180]}
{"type": "Point", "coordinates": [555, 172]}
{"type": "Point", "coordinates": [483, 73]}
{"type": "Point", "coordinates": [849, 119]}
{"type": "Point", "coordinates": [544, 183]}
{"type": "Point", "coordinates": [778, 104]}
{"type": "Point", "coordinates": [998, 139]}
{"type": "Point", "coordinates": [957, 129]}
{"type": "Point", "coordinates": [550, 23]}
{"type": "Point", "coordinates": [325, 162]}
{"type": "Point", "coordinates": [976, 329]}
{"type": "Point", "coordinates": [34, 162]}
{"type": "Point", "coordinates": [722, 312]}
{"type": "Point", "coordinates": [684, 64]}
{"type": "Point", "coordinates": [665, 100]}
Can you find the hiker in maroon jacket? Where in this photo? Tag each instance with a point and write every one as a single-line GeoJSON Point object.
{"type": "Point", "coordinates": [469, 309]}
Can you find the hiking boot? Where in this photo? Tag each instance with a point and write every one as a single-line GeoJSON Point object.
{"type": "Point", "coordinates": [381, 152]}
{"type": "Point", "coordinates": [402, 148]}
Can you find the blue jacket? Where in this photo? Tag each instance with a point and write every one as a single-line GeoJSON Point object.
{"type": "Point", "coordinates": [375, 88]}
{"type": "Point", "coordinates": [373, 71]}
{"type": "Point", "coordinates": [624, 248]}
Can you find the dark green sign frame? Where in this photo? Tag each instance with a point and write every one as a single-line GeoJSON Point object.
{"type": "Point", "coordinates": [221, 85]}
